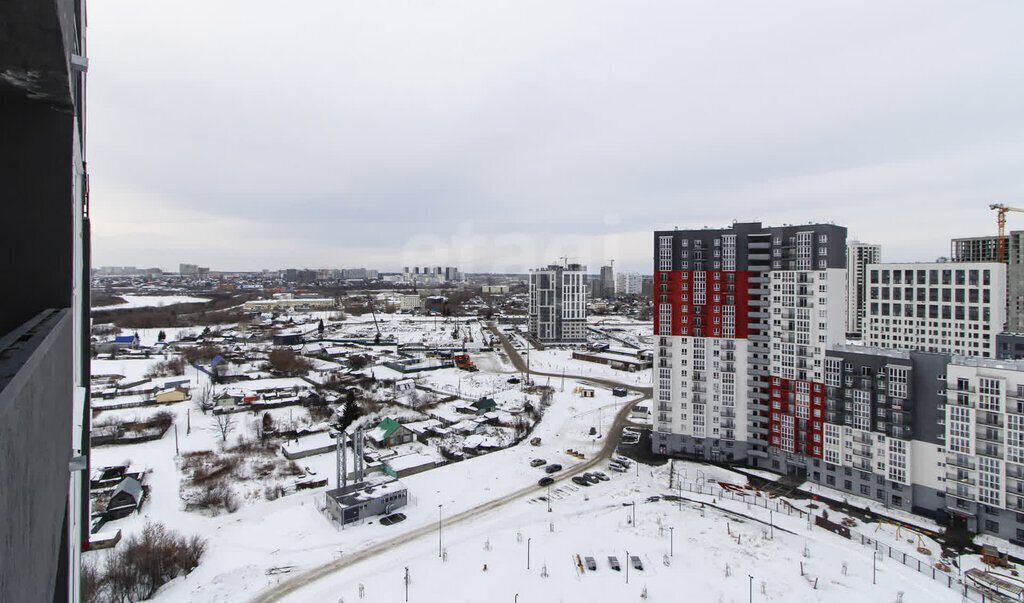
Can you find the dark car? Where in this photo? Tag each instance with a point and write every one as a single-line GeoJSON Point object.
{"type": "Point", "coordinates": [601, 476]}
{"type": "Point", "coordinates": [553, 467]}
{"type": "Point", "coordinates": [619, 391]}
{"type": "Point", "coordinates": [579, 479]}
{"type": "Point", "coordinates": [590, 477]}
{"type": "Point", "coordinates": [513, 379]}
{"type": "Point", "coordinates": [537, 462]}
{"type": "Point", "coordinates": [546, 481]}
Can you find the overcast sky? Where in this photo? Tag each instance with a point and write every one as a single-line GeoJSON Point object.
{"type": "Point", "coordinates": [502, 135]}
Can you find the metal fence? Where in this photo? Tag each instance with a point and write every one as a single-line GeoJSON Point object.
{"type": "Point", "coordinates": [949, 579]}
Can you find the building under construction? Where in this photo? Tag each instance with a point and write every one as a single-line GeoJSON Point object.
{"type": "Point", "coordinates": [364, 497]}
{"type": "Point", "coordinates": [986, 249]}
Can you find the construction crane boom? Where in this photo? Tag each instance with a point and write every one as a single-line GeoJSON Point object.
{"type": "Point", "coordinates": [1001, 220]}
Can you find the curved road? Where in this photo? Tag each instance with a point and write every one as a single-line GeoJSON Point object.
{"type": "Point", "coordinates": [612, 440]}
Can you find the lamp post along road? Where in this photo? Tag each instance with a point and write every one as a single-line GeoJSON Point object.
{"type": "Point", "coordinates": [528, 540]}
{"type": "Point", "coordinates": [671, 541]}
{"type": "Point", "coordinates": [438, 530]}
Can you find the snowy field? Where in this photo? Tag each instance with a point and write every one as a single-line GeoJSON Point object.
{"type": "Point", "coordinates": [148, 301]}
{"type": "Point", "coordinates": [687, 553]}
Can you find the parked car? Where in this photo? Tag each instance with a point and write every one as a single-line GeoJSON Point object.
{"type": "Point", "coordinates": [553, 467]}
{"type": "Point", "coordinates": [537, 462]}
{"type": "Point", "coordinates": [590, 477]}
{"type": "Point", "coordinates": [616, 468]}
{"type": "Point", "coordinates": [579, 479]}
{"type": "Point", "coordinates": [619, 391]}
{"type": "Point", "coordinates": [513, 379]}
{"type": "Point", "coordinates": [546, 481]}
{"type": "Point", "coordinates": [601, 476]}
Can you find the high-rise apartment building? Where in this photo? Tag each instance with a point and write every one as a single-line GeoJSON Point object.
{"type": "Point", "coordinates": [628, 283]}
{"type": "Point", "coordinates": [952, 307]}
{"type": "Point", "coordinates": [984, 434]}
{"type": "Point", "coordinates": [858, 256]}
{"type": "Point", "coordinates": [743, 317]}
{"type": "Point", "coordinates": [44, 327]}
{"type": "Point", "coordinates": [558, 303]}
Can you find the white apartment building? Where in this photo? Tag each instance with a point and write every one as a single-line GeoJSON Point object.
{"type": "Point", "coordinates": [956, 308]}
{"type": "Point", "coordinates": [858, 256]}
{"type": "Point", "coordinates": [984, 477]}
{"type": "Point", "coordinates": [628, 283]}
{"type": "Point", "coordinates": [558, 303]}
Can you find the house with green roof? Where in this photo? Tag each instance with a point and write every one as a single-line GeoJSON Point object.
{"type": "Point", "coordinates": [484, 405]}
{"type": "Point", "coordinates": [388, 433]}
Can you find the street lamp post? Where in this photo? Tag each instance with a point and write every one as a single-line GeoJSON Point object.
{"type": "Point", "coordinates": [528, 540]}
{"type": "Point", "coordinates": [874, 570]}
{"type": "Point", "coordinates": [438, 530]}
{"type": "Point", "coordinates": [627, 567]}
{"type": "Point", "coordinates": [549, 498]}
{"type": "Point", "coordinates": [771, 523]}
{"type": "Point", "coordinates": [750, 588]}
{"type": "Point", "coordinates": [671, 541]}
{"type": "Point", "coordinates": [633, 504]}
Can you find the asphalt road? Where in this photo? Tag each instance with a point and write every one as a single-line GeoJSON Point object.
{"type": "Point", "coordinates": [611, 441]}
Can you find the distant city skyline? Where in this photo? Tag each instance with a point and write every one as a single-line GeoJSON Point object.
{"type": "Point", "coordinates": [501, 136]}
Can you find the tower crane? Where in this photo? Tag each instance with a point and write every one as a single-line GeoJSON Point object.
{"type": "Point", "coordinates": [1001, 218]}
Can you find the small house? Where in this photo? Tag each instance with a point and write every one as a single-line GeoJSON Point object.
{"type": "Point", "coordinates": [126, 498]}
{"type": "Point", "coordinates": [484, 405]}
{"type": "Point", "coordinates": [174, 394]}
{"type": "Point", "coordinates": [388, 433]}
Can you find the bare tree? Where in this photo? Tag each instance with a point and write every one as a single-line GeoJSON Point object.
{"type": "Point", "coordinates": [204, 399]}
{"type": "Point", "coordinates": [224, 423]}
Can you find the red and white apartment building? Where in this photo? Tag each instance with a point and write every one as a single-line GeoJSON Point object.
{"type": "Point", "coordinates": [743, 318]}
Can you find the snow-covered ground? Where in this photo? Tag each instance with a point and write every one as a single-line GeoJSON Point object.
{"type": "Point", "coordinates": [710, 551]}
{"type": "Point", "coordinates": [147, 301]}
{"type": "Point", "coordinates": [526, 553]}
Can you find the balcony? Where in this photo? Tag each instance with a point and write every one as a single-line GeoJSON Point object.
{"type": "Point", "coordinates": [989, 435]}
{"type": "Point", "coordinates": [994, 451]}
{"type": "Point", "coordinates": [964, 403]}
{"type": "Point", "coordinates": [862, 451]}
{"type": "Point", "coordinates": [953, 387]}
{"type": "Point", "coordinates": [989, 419]}
{"type": "Point", "coordinates": [961, 493]}
{"type": "Point", "coordinates": [960, 478]}
{"type": "Point", "coordinates": [902, 432]}
{"type": "Point", "coordinates": [966, 463]}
